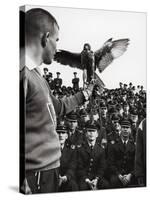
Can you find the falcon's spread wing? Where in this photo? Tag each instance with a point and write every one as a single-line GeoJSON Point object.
{"type": "Point", "coordinates": [68, 58]}
{"type": "Point", "coordinates": [99, 81]}
{"type": "Point", "coordinates": [110, 50]}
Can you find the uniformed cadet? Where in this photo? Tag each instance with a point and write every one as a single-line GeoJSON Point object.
{"type": "Point", "coordinates": [126, 113]}
{"type": "Point", "coordinates": [91, 162]}
{"type": "Point", "coordinates": [125, 86]}
{"type": "Point", "coordinates": [142, 112]}
{"type": "Point", "coordinates": [130, 86]}
{"type": "Point", "coordinates": [131, 101]}
{"type": "Point", "coordinates": [141, 90]}
{"type": "Point", "coordinates": [50, 80]}
{"type": "Point", "coordinates": [75, 82]}
{"type": "Point", "coordinates": [134, 122]}
{"type": "Point", "coordinates": [102, 138]}
{"type": "Point", "coordinates": [45, 69]}
{"type": "Point", "coordinates": [120, 110]}
{"type": "Point", "coordinates": [121, 157]}
{"type": "Point", "coordinates": [58, 82]}
{"type": "Point", "coordinates": [124, 96]}
{"type": "Point", "coordinates": [75, 135]}
{"type": "Point", "coordinates": [114, 135]}
{"type": "Point", "coordinates": [121, 85]}
{"type": "Point", "coordinates": [67, 162]}
{"type": "Point", "coordinates": [84, 118]}
{"type": "Point", "coordinates": [140, 155]}
{"type": "Point", "coordinates": [104, 114]}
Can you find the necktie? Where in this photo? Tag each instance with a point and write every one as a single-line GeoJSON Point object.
{"type": "Point", "coordinates": [91, 148]}
{"type": "Point", "coordinates": [124, 145]}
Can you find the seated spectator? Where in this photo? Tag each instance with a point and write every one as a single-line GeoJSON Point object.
{"type": "Point", "coordinates": [67, 162]}
{"type": "Point", "coordinates": [134, 122]}
{"type": "Point", "coordinates": [75, 136]}
{"type": "Point", "coordinates": [140, 156]}
{"type": "Point", "coordinates": [102, 138]}
{"type": "Point", "coordinates": [114, 135]}
{"type": "Point", "coordinates": [121, 157]}
{"type": "Point", "coordinates": [84, 117]}
{"type": "Point", "coordinates": [91, 162]}
{"type": "Point", "coordinates": [126, 113]}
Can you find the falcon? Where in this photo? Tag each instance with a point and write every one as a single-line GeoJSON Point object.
{"type": "Point", "coordinates": [89, 61]}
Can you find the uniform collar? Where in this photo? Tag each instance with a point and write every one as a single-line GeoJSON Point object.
{"type": "Point", "coordinates": [91, 143]}
{"type": "Point", "coordinates": [124, 141]}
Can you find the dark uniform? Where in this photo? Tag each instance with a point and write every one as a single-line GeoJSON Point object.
{"type": "Point", "coordinates": [75, 82]}
{"type": "Point", "coordinates": [68, 168]}
{"type": "Point", "coordinates": [140, 156]}
{"type": "Point", "coordinates": [50, 80]}
{"type": "Point", "coordinates": [91, 164]}
{"type": "Point", "coordinates": [104, 118]}
{"type": "Point", "coordinates": [67, 163]}
{"type": "Point", "coordinates": [126, 113]}
{"type": "Point", "coordinates": [91, 160]}
{"type": "Point", "coordinates": [102, 136]}
{"type": "Point", "coordinates": [134, 122]}
{"type": "Point", "coordinates": [57, 83]}
{"type": "Point", "coordinates": [45, 73]}
{"type": "Point", "coordinates": [113, 137]}
{"type": "Point", "coordinates": [75, 136]}
{"type": "Point", "coordinates": [106, 123]}
{"type": "Point", "coordinates": [84, 117]}
{"type": "Point", "coordinates": [121, 160]}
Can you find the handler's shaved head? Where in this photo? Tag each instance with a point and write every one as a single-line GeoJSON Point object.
{"type": "Point", "coordinates": [37, 22]}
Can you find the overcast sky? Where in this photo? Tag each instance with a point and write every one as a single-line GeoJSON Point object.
{"type": "Point", "coordinates": [79, 26]}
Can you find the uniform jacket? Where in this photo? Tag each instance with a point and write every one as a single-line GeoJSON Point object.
{"type": "Point", "coordinates": [57, 83]}
{"type": "Point", "coordinates": [90, 164]}
{"type": "Point", "coordinates": [75, 82]}
{"type": "Point", "coordinates": [113, 137]}
{"type": "Point", "coordinates": [120, 160]}
{"type": "Point", "coordinates": [140, 156]}
{"type": "Point", "coordinates": [68, 162]}
{"type": "Point", "coordinates": [76, 139]}
{"type": "Point", "coordinates": [51, 85]}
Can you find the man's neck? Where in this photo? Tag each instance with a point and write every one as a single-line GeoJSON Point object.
{"type": "Point", "coordinates": [72, 131]}
{"type": "Point", "coordinates": [32, 57]}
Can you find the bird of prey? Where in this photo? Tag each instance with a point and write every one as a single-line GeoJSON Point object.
{"type": "Point", "coordinates": [89, 61]}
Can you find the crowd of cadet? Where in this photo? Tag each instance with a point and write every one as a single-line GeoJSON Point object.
{"type": "Point", "coordinates": [98, 139]}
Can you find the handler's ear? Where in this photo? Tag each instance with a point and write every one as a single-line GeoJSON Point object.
{"type": "Point", "coordinates": [44, 39]}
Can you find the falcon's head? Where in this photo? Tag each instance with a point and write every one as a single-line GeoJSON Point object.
{"type": "Point", "coordinates": [87, 47]}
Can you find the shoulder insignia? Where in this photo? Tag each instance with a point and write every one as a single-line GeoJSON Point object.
{"type": "Point", "coordinates": [79, 145]}
{"type": "Point", "coordinates": [112, 142]}
{"type": "Point", "coordinates": [73, 146]}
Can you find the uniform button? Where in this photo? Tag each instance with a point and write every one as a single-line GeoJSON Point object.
{"type": "Point", "coordinates": [90, 169]}
{"type": "Point", "coordinates": [91, 164]}
{"type": "Point", "coordinates": [91, 159]}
